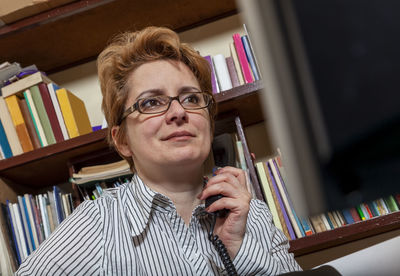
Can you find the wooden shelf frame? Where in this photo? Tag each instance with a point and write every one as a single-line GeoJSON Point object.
{"type": "Point", "coordinates": [77, 32]}
{"type": "Point", "coordinates": [345, 234]}
{"type": "Point", "coordinates": [49, 165]}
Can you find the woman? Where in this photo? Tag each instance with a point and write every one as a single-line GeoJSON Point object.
{"type": "Point", "coordinates": [159, 109]}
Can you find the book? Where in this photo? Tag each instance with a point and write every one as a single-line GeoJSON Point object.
{"type": "Point", "coordinates": [43, 117]}
{"type": "Point", "coordinates": [24, 221]}
{"type": "Point", "coordinates": [354, 214]}
{"type": "Point", "coordinates": [9, 250]}
{"type": "Point", "coordinates": [391, 203]}
{"type": "Point", "coordinates": [268, 194]}
{"type": "Point", "coordinates": [9, 129]}
{"type": "Point", "coordinates": [29, 123]}
{"type": "Point", "coordinates": [347, 216]}
{"type": "Point", "coordinates": [13, 231]}
{"type": "Point", "coordinates": [38, 221]}
{"type": "Point", "coordinates": [44, 215]}
{"type": "Point", "coordinates": [74, 113]}
{"type": "Point", "coordinates": [305, 222]}
{"type": "Point", "coordinates": [324, 219]}
{"type": "Point", "coordinates": [58, 204]}
{"type": "Point", "coordinates": [35, 118]}
{"type": "Point", "coordinates": [24, 83]}
{"type": "Point", "coordinates": [51, 113]}
{"type": "Point", "coordinates": [290, 211]}
{"type": "Point", "coordinates": [250, 56]}
{"type": "Point", "coordinates": [31, 221]}
{"type": "Point", "coordinates": [22, 245]}
{"type": "Point", "coordinates": [236, 63]}
{"type": "Point", "coordinates": [5, 146]}
{"type": "Point", "coordinates": [242, 58]}
{"type": "Point", "coordinates": [19, 123]}
{"type": "Point", "coordinates": [52, 88]}
{"type": "Point", "coordinates": [281, 204]}
{"type": "Point", "coordinates": [367, 210]}
{"type": "Point", "coordinates": [214, 85]}
{"type": "Point", "coordinates": [222, 72]}
{"type": "Point", "coordinates": [50, 196]}
{"type": "Point", "coordinates": [317, 224]}
{"type": "Point", "coordinates": [332, 221]}
{"type": "Point", "coordinates": [360, 212]}
{"type": "Point", "coordinates": [232, 71]}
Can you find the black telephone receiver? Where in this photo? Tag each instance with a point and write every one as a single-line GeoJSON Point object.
{"type": "Point", "coordinates": [210, 200]}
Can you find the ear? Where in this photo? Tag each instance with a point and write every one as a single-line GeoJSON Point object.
{"type": "Point", "coordinates": [123, 146]}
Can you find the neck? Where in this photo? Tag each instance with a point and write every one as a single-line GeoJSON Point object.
{"type": "Point", "coordinates": [181, 185]}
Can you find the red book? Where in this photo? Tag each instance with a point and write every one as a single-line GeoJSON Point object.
{"type": "Point", "coordinates": [51, 113]}
{"type": "Point", "coordinates": [368, 210]}
{"type": "Point", "coordinates": [244, 64]}
{"type": "Point", "coordinates": [354, 214]}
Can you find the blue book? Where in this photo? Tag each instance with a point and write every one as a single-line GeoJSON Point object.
{"type": "Point", "coordinates": [5, 146]}
{"type": "Point", "coordinates": [58, 203]}
{"type": "Point", "coordinates": [250, 56]}
{"type": "Point", "coordinates": [14, 237]}
{"type": "Point", "coordinates": [25, 237]}
{"type": "Point", "coordinates": [347, 216]}
{"type": "Point", "coordinates": [28, 222]}
{"type": "Point", "coordinates": [329, 220]}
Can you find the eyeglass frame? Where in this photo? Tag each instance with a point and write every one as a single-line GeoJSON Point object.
{"type": "Point", "coordinates": [135, 106]}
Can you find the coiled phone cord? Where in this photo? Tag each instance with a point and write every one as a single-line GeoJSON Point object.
{"type": "Point", "coordinates": [221, 249]}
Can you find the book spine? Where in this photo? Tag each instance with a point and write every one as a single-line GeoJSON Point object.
{"type": "Point", "coordinates": [51, 113]}
{"type": "Point", "coordinates": [354, 214]}
{"type": "Point", "coordinates": [31, 220]}
{"type": "Point", "coordinates": [9, 129]}
{"type": "Point", "coordinates": [41, 110]}
{"type": "Point", "coordinates": [349, 219]}
{"type": "Point", "coordinates": [29, 123]}
{"type": "Point", "coordinates": [37, 219]}
{"type": "Point", "coordinates": [21, 236]}
{"type": "Point", "coordinates": [222, 73]}
{"type": "Point", "coordinates": [57, 201]}
{"type": "Point", "coordinates": [35, 118]}
{"type": "Point", "coordinates": [214, 85]}
{"type": "Point", "coordinates": [232, 71]}
{"type": "Point", "coordinates": [19, 123]}
{"type": "Point", "coordinates": [236, 63]}
{"type": "Point", "coordinates": [242, 58]}
{"type": "Point", "coordinates": [282, 206]}
{"type": "Point", "coordinates": [5, 146]}
{"type": "Point", "coordinates": [52, 92]}
{"type": "Point", "coordinates": [13, 231]}
{"type": "Point", "coordinates": [9, 250]}
{"type": "Point", "coordinates": [360, 212]}
{"type": "Point", "coordinates": [45, 217]}
{"type": "Point", "coordinates": [27, 231]}
{"type": "Point", "coordinates": [24, 84]}
{"type": "Point", "coordinates": [250, 56]}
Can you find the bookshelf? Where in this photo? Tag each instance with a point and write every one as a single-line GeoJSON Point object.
{"type": "Point", "coordinates": [47, 166]}
{"type": "Point", "coordinates": [77, 32]}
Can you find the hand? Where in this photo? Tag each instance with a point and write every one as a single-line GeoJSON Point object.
{"type": "Point", "coordinates": [231, 183]}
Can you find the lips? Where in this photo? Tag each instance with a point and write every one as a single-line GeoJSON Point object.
{"type": "Point", "coordinates": [178, 134]}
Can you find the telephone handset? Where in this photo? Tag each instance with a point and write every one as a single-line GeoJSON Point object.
{"type": "Point", "coordinates": [210, 200]}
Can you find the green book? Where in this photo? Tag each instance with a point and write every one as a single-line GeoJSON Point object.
{"type": "Point", "coordinates": [41, 110]}
{"type": "Point", "coordinates": [391, 204]}
{"type": "Point", "coordinates": [360, 212]}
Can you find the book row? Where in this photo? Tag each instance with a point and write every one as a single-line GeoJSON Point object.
{"type": "Point", "coordinates": [272, 180]}
{"type": "Point", "coordinates": [237, 69]}
{"type": "Point", "coordinates": [35, 113]}
{"type": "Point", "coordinates": [28, 222]}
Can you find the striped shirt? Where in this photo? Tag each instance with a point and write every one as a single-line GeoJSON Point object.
{"type": "Point", "coordinates": [132, 230]}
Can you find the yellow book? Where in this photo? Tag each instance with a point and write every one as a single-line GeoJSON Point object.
{"type": "Point", "coordinates": [74, 113]}
{"type": "Point", "coordinates": [19, 123]}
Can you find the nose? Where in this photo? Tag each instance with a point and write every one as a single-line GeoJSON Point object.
{"type": "Point", "coordinates": [176, 113]}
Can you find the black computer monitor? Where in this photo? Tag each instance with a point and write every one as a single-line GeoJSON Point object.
{"type": "Point", "coordinates": [331, 72]}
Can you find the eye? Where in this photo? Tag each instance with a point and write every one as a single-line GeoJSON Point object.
{"type": "Point", "coordinates": [192, 98]}
{"type": "Point", "coordinates": [151, 103]}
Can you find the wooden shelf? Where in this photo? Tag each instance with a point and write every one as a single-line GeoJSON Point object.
{"type": "Point", "coordinates": [77, 32]}
{"type": "Point", "coordinates": [341, 235]}
{"type": "Point", "coordinates": [48, 166]}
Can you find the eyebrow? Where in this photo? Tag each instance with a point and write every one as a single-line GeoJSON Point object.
{"type": "Point", "coordinates": [157, 91]}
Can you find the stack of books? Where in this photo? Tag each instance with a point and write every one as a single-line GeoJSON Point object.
{"type": "Point", "coordinates": [237, 69]}
{"type": "Point", "coordinates": [35, 112]}
{"type": "Point", "coordinates": [27, 223]}
{"type": "Point", "coordinates": [272, 180]}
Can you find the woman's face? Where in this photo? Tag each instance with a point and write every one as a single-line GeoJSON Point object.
{"type": "Point", "coordinates": [176, 137]}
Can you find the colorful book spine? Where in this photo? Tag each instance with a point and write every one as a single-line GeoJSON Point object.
{"type": "Point", "coordinates": [35, 118]}
{"type": "Point", "coordinates": [222, 72]}
{"type": "Point", "coordinates": [348, 217]}
{"type": "Point", "coordinates": [281, 204]}
{"type": "Point", "coordinates": [19, 123]}
{"type": "Point", "coordinates": [360, 212]}
{"type": "Point", "coordinates": [74, 113]}
{"type": "Point", "coordinates": [13, 231]}
{"type": "Point", "coordinates": [232, 71]}
{"type": "Point", "coordinates": [31, 221]}
{"type": "Point", "coordinates": [250, 56]}
{"type": "Point", "coordinates": [214, 85]}
{"type": "Point", "coordinates": [43, 117]}
{"type": "Point", "coordinates": [52, 88]}
{"type": "Point", "coordinates": [51, 113]}
{"type": "Point", "coordinates": [236, 63]}
{"type": "Point", "coordinates": [248, 78]}
{"type": "Point", "coordinates": [5, 146]}
{"type": "Point", "coordinates": [25, 225]}
{"type": "Point", "coordinates": [29, 123]}
{"type": "Point", "coordinates": [9, 129]}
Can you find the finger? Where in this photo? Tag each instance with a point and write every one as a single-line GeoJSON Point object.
{"type": "Point", "coordinates": [235, 205]}
{"type": "Point", "coordinates": [223, 177]}
{"type": "Point", "coordinates": [238, 173]}
{"type": "Point", "coordinates": [223, 188]}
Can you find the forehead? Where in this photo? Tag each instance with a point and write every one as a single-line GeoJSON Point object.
{"type": "Point", "coordinates": [163, 75]}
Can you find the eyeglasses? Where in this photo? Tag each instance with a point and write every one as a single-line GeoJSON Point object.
{"type": "Point", "coordinates": [161, 103]}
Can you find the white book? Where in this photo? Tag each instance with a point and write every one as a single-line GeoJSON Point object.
{"type": "Point", "coordinates": [25, 223]}
{"type": "Point", "coordinates": [35, 117]}
{"type": "Point", "coordinates": [53, 207]}
{"type": "Point", "coordinates": [24, 84]}
{"type": "Point", "coordinates": [325, 221]}
{"type": "Point", "coordinates": [52, 91]}
{"type": "Point", "coordinates": [284, 199]}
{"type": "Point", "coordinates": [222, 72]}
{"type": "Point", "coordinates": [23, 250]}
{"type": "Point", "coordinates": [45, 217]}
{"type": "Point", "coordinates": [31, 220]}
{"type": "Point", "coordinates": [9, 129]}
{"type": "Point", "coordinates": [236, 62]}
